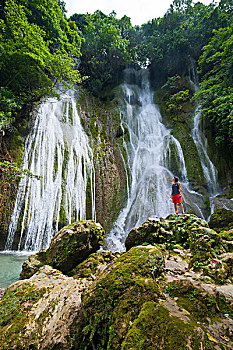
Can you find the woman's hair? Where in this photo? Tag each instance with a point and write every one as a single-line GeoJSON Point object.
{"type": "Point", "coordinates": [176, 178]}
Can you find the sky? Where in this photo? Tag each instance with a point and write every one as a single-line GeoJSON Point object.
{"type": "Point", "coordinates": [140, 11]}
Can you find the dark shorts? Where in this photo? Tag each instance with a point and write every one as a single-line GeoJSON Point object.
{"type": "Point", "coordinates": [176, 198]}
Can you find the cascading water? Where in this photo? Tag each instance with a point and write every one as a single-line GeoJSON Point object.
{"type": "Point", "coordinates": [152, 154]}
{"type": "Point", "coordinates": [210, 172]}
{"type": "Point", "coordinates": [57, 149]}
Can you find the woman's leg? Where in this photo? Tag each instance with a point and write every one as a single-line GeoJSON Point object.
{"type": "Point", "coordinates": [182, 208]}
{"type": "Point", "coordinates": [175, 206]}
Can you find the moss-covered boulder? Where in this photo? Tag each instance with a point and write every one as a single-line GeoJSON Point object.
{"type": "Point", "coordinates": [115, 299]}
{"type": "Point", "coordinates": [175, 228]}
{"type": "Point", "coordinates": [221, 220]}
{"type": "Point", "coordinates": [147, 298]}
{"type": "Point", "coordinates": [72, 245]}
{"type": "Point", "coordinates": [156, 328]}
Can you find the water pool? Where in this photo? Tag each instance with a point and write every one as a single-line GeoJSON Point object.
{"type": "Point", "coordinates": [10, 267]}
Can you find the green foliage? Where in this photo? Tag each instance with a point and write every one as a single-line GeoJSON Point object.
{"type": "Point", "coordinates": [106, 48]}
{"type": "Point", "coordinates": [38, 49]}
{"type": "Point", "coordinates": [12, 173]}
{"type": "Point", "coordinates": [216, 92]}
{"type": "Point", "coordinates": [168, 43]}
{"type": "Point", "coordinates": [8, 106]}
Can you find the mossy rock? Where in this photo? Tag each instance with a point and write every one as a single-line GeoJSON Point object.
{"type": "Point", "coordinates": [17, 302]}
{"type": "Point", "coordinates": [221, 219]}
{"type": "Point", "coordinates": [95, 263]}
{"type": "Point", "coordinates": [116, 297]}
{"type": "Point", "coordinates": [203, 304]}
{"type": "Point", "coordinates": [37, 313]}
{"type": "Point", "coordinates": [71, 246]}
{"type": "Point", "coordinates": [156, 328]}
{"type": "Point", "coordinates": [175, 228]}
{"type": "Point", "coordinates": [33, 264]}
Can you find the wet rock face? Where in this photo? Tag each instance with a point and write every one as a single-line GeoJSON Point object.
{"type": "Point", "coordinates": [221, 220]}
{"type": "Point", "coordinates": [72, 245]}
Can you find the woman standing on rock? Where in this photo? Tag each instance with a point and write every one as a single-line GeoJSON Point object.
{"type": "Point", "coordinates": [176, 194]}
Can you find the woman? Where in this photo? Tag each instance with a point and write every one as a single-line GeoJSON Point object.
{"type": "Point", "coordinates": [176, 194]}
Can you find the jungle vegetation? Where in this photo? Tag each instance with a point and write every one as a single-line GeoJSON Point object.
{"type": "Point", "coordinates": [40, 47]}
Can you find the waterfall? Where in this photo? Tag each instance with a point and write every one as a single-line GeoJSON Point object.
{"type": "Point", "coordinates": [210, 172]}
{"type": "Point", "coordinates": [153, 155]}
{"type": "Point", "coordinates": [57, 149]}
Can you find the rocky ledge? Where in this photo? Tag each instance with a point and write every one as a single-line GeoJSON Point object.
{"type": "Point", "coordinates": [172, 289]}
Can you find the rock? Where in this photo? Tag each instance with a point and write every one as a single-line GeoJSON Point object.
{"type": "Point", "coordinates": [33, 264]}
{"type": "Point", "coordinates": [221, 219]}
{"type": "Point", "coordinates": [116, 297]}
{"type": "Point", "coordinates": [173, 229]}
{"type": "Point", "coordinates": [72, 245]}
{"type": "Point", "coordinates": [38, 312]}
{"type": "Point", "coordinates": [94, 264]}
{"type": "Point", "coordinates": [146, 298]}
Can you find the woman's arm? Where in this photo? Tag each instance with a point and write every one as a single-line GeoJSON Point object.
{"type": "Point", "coordinates": [179, 186]}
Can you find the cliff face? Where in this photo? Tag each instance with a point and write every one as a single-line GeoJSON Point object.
{"type": "Point", "coordinates": [101, 121]}
{"type": "Point", "coordinates": [11, 149]}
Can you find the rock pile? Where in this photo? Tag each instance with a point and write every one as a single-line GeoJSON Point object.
{"type": "Point", "coordinates": [172, 289]}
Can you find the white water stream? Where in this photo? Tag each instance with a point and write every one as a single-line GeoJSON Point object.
{"type": "Point", "coordinates": [57, 149]}
{"type": "Point", "coordinates": [210, 172]}
{"type": "Point", "coordinates": [149, 156]}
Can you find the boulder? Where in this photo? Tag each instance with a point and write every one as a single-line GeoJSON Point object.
{"type": "Point", "coordinates": [72, 245]}
{"type": "Point", "coordinates": [175, 228]}
{"type": "Point", "coordinates": [33, 264]}
{"type": "Point", "coordinates": [37, 313]}
{"type": "Point", "coordinates": [146, 298]}
{"type": "Point", "coordinates": [221, 220]}
{"type": "Point", "coordinates": [116, 297]}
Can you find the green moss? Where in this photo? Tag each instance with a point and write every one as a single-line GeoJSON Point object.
{"type": "Point", "coordinates": [90, 266]}
{"type": "Point", "coordinates": [222, 220]}
{"type": "Point", "coordinates": [198, 303]}
{"type": "Point", "coordinates": [126, 284]}
{"type": "Point", "coordinates": [155, 328]}
{"type": "Point", "coordinates": [15, 306]}
{"type": "Point", "coordinates": [94, 128]}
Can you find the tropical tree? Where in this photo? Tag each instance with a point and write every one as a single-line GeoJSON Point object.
{"type": "Point", "coordinates": [216, 88]}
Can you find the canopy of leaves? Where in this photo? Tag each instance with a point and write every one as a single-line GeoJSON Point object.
{"type": "Point", "coordinates": [38, 48]}
{"type": "Point", "coordinates": [216, 90]}
{"type": "Point", "coordinates": [106, 48]}
{"type": "Point", "coordinates": [168, 43]}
